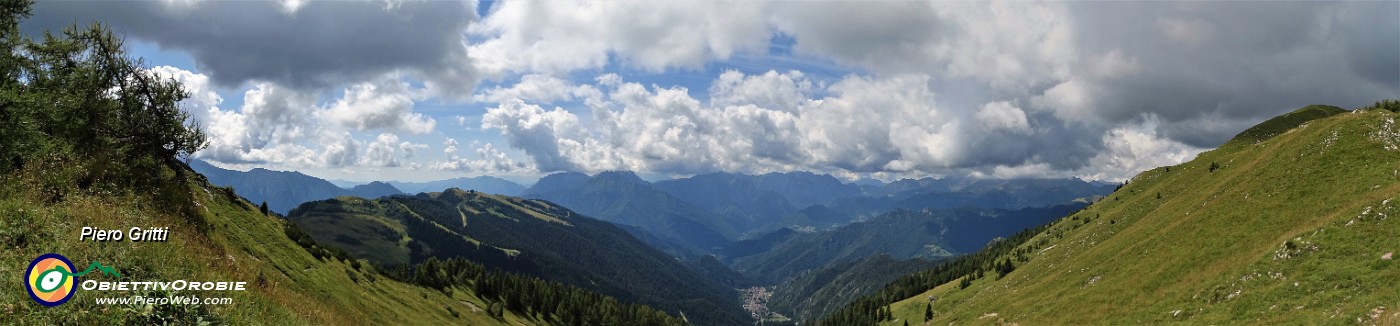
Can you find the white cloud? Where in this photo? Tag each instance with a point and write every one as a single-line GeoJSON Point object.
{"type": "Point", "coordinates": [385, 106]}
{"type": "Point", "coordinates": [645, 34]}
{"type": "Point", "coordinates": [381, 152]}
{"type": "Point", "coordinates": [539, 89]}
{"type": "Point", "coordinates": [785, 91]}
{"type": "Point", "coordinates": [998, 89]}
{"type": "Point", "coordinates": [340, 150]}
{"type": "Point", "coordinates": [543, 135]}
{"type": "Point", "coordinates": [490, 160]}
{"type": "Point", "coordinates": [873, 126]}
{"type": "Point", "coordinates": [408, 148]}
{"type": "Point", "coordinates": [277, 126]}
{"type": "Point", "coordinates": [263, 130]}
{"type": "Point", "coordinates": [665, 129]}
{"type": "Point", "coordinates": [449, 146]}
{"type": "Point", "coordinates": [290, 7]}
{"type": "Point", "coordinates": [385, 151]}
{"type": "Point", "coordinates": [277, 114]}
{"type": "Point", "coordinates": [1013, 46]}
{"type": "Point", "coordinates": [1130, 149]}
{"type": "Point", "coordinates": [876, 124]}
{"type": "Point", "coordinates": [868, 125]}
{"type": "Point", "coordinates": [1072, 101]}
{"type": "Point", "coordinates": [1003, 115]}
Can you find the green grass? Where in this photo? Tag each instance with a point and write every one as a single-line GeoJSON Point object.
{"type": "Point", "coordinates": [224, 238]}
{"type": "Point", "coordinates": [1280, 124]}
{"type": "Point", "coordinates": [1288, 230]}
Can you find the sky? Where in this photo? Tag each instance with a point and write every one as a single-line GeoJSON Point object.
{"type": "Point", "coordinates": [428, 90]}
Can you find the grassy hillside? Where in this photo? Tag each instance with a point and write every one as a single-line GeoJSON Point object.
{"type": "Point", "coordinates": [1274, 227]}
{"type": "Point", "coordinates": [817, 292]}
{"type": "Point", "coordinates": [526, 236]}
{"type": "Point", "coordinates": [214, 236]}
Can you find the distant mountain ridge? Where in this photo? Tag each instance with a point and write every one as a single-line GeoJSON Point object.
{"type": "Point", "coordinates": [282, 190]}
{"type": "Point", "coordinates": [486, 184]}
{"type": "Point", "coordinates": [374, 190]}
{"type": "Point", "coordinates": [285, 190]}
{"type": "Point", "coordinates": [902, 234]}
{"type": "Point", "coordinates": [691, 216]}
{"type": "Point", "coordinates": [624, 198]}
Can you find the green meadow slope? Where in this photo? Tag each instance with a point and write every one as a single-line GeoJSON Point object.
{"type": "Point", "coordinates": [214, 235]}
{"type": "Point", "coordinates": [524, 236]}
{"type": "Point", "coordinates": [1289, 227]}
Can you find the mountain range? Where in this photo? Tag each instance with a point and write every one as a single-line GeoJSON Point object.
{"type": "Point", "coordinates": [284, 190]}
{"type": "Point", "coordinates": [698, 215]}
{"type": "Point", "coordinates": [624, 198]}
{"type": "Point", "coordinates": [734, 230]}
{"type": "Point", "coordinates": [902, 234]}
{"type": "Point", "coordinates": [486, 184]}
{"type": "Point", "coordinates": [530, 237]}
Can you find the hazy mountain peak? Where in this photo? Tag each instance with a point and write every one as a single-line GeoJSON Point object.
{"type": "Point", "coordinates": [557, 182]}
{"type": "Point", "coordinates": [620, 176]}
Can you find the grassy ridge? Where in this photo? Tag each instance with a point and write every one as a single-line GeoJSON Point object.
{"type": "Point", "coordinates": [1280, 124]}
{"type": "Point", "coordinates": [524, 236]}
{"type": "Point", "coordinates": [1288, 229]}
{"type": "Point", "coordinates": [214, 236]}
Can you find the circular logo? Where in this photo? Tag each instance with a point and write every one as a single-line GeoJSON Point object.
{"type": "Point", "coordinates": [50, 279]}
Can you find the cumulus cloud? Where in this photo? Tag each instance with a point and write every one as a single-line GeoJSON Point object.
{"type": "Point", "coordinates": [386, 151]}
{"type": "Point", "coordinates": [538, 88]}
{"type": "Point", "coordinates": [993, 89]}
{"type": "Point", "coordinates": [1134, 148]}
{"type": "Point", "coordinates": [786, 91]}
{"type": "Point", "coordinates": [489, 160]}
{"type": "Point", "coordinates": [543, 135]}
{"type": "Point", "coordinates": [408, 148]}
{"type": "Point", "coordinates": [385, 106]}
{"type": "Point", "coordinates": [449, 146]}
{"type": "Point", "coordinates": [866, 125]}
{"type": "Point", "coordinates": [877, 124]}
{"type": "Point", "coordinates": [340, 150]}
{"type": "Point", "coordinates": [264, 129]}
{"type": "Point", "coordinates": [553, 37]}
{"type": "Point", "coordinates": [665, 129]}
{"type": "Point", "coordinates": [279, 126]}
{"type": "Point", "coordinates": [1004, 116]}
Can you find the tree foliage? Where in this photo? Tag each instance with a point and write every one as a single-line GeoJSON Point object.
{"type": "Point", "coordinates": [1386, 104]}
{"type": "Point", "coordinates": [77, 97]}
{"type": "Point", "coordinates": [555, 302]}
